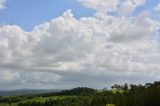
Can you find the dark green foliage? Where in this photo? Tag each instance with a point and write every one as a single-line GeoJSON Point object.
{"type": "Point", "coordinates": [132, 95]}
{"type": "Point", "coordinates": [80, 91]}
{"type": "Point", "coordinates": [11, 99]}
{"type": "Point", "coordinates": [74, 101]}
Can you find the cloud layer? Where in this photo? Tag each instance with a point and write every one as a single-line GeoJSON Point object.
{"type": "Point", "coordinates": [91, 51]}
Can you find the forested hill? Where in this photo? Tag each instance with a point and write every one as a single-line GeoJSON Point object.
{"type": "Point", "coordinates": [26, 92]}
{"type": "Point", "coordinates": [120, 95]}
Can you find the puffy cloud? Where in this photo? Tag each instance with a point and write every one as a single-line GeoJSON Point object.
{"type": "Point", "coordinates": [2, 2]}
{"type": "Point", "coordinates": [123, 7]}
{"type": "Point", "coordinates": [67, 52]}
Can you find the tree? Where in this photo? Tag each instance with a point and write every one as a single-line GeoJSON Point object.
{"type": "Point", "coordinates": [125, 87]}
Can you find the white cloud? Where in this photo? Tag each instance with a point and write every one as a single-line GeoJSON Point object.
{"type": "Point", "coordinates": [123, 7]}
{"type": "Point", "coordinates": [128, 6]}
{"type": "Point", "coordinates": [69, 52]}
{"type": "Point", "coordinates": [101, 6]}
{"type": "Point", "coordinates": [2, 4]}
{"type": "Point", "coordinates": [157, 8]}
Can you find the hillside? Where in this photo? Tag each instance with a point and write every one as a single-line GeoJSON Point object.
{"type": "Point", "coordinates": [120, 95]}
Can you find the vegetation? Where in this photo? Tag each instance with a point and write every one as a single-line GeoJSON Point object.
{"type": "Point", "coordinates": [120, 95]}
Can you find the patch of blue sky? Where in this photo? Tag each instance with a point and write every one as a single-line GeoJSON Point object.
{"type": "Point", "coordinates": [29, 13]}
{"type": "Point", "coordinates": [156, 37]}
{"type": "Point", "coordinates": [149, 6]}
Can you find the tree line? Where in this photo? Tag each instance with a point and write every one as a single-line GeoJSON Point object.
{"type": "Point", "coordinates": [120, 95]}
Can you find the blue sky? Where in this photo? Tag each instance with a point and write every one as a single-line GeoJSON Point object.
{"type": "Point", "coordinates": [149, 6]}
{"type": "Point", "coordinates": [28, 13]}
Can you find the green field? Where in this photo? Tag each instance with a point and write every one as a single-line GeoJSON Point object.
{"type": "Point", "coordinates": [37, 99]}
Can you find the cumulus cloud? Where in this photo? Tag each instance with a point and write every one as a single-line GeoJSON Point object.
{"type": "Point", "coordinates": [68, 52]}
{"type": "Point", "coordinates": [2, 3]}
{"type": "Point", "coordinates": [122, 7]}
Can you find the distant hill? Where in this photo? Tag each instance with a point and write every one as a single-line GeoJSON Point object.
{"type": "Point", "coordinates": [26, 91]}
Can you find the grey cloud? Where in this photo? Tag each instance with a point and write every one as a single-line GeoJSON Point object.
{"type": "Point", "coordinates": [68, 52]}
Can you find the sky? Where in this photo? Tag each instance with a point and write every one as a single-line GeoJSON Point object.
{"type": "Point", "coordinates": [60, 44]}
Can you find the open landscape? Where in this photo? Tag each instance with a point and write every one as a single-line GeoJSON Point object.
{"type": "Point", "coordinates": [119, 95]}
{"type": "Point", "coordinates": [79, 52]}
